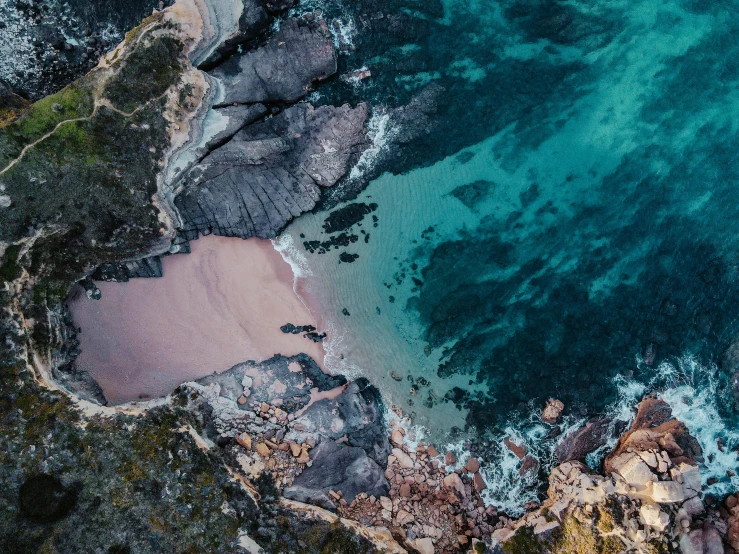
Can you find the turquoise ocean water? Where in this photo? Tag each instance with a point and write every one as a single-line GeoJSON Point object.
{"type": "Point", "coordinates": [567, 227]}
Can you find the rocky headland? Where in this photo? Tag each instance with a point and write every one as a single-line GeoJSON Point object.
{"type": "Point", "coordinates": [194, 125]}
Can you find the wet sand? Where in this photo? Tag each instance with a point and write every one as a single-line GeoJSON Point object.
{"type": "Point", "coordinates": [220, 305]}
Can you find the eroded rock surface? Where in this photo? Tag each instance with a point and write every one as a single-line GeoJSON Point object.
{"type": "Point", "coordinates": [649, 500]}
{"type": "Point", "coordinates": [282, 70]}
{"type": "Point", "coordinates": [313, 432]}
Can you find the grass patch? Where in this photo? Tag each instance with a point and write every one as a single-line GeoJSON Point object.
{"type": "Point", "coordinates": [73, 101]}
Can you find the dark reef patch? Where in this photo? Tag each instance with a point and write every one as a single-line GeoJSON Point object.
{"type": "Point", "coordinates": [475, 192]}
{"type": "Point", "coordinates": [347, 216]}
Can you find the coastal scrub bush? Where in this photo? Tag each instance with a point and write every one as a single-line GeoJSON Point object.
{"type": "Point", "coordinates": [146, 74]}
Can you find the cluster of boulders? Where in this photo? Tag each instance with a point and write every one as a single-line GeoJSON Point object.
{"type": "Point", "coordinates": [313, 433]}
{"type": "Point", "coordinates": [649, 499]}
{"type": "Point", "coordinates": [268, 449]}
{"type": "Point", "coordinates": [323, 441]}
{"type": "Point", "coordinates": [431, 506]}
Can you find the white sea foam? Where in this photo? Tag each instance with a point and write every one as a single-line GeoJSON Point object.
{"type": "Point", "coordinates": [692, 390]}
{"type": "Point", "coordinates": [343, 31]}
{"type": "Point", "coordinates": [285, 245]}
{"type": "Point", "coordinates": [695, 398]}
{"type": "Point", "coordinates": [380, 132]}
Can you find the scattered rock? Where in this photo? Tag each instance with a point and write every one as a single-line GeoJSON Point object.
{"type": "Point", "coordinates": [552, 413]}
{"type": "Point", "coordinates": [519, 451]}
{"type": "Point", "coordinates": [472, 465]}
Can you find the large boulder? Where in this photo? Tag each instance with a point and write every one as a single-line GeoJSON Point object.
{"type": "Point", "coordinates": [361, 408]}
{"type": "Point", "coordinates": [580, 442]}
{"type": "Point", "coordinates": [654, 428]}
{"type": "Point", "coordinates": [271, 171]}
{"type": "Point", "coordinates": [339, 468]}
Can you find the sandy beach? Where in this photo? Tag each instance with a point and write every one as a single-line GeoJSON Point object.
{"type": "Point", "coordinates": [220, 305]}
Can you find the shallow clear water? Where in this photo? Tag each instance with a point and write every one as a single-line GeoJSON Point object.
{"type": "Point", "coordinates": [570, 217]}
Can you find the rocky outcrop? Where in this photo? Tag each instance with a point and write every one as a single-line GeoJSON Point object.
{"type": "Point", "coordinates": [122, 272]}
{"type": "Point", "coordinates": [337, 468]}
{"type": "Point", "coordinates": [584, 440]}
{"type": "Point", "coordinates": [282, 70]}
{"type": "Point", "coordinates": [312, 432]}
{"type": "Point", "coordinates": [649, 499]}
{"type": "Point", "coordinates": [654, 428]}
{"type": "Point", "coordinates": [234, 22]}
{"type": "Point", "coordinates": [271, 172]}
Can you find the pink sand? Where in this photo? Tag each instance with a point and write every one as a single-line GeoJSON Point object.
{"type": "Point", "coordinates": [220, 305]}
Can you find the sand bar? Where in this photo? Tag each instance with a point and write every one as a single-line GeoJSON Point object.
{"type": "Point", "coordinates": [220, 305]}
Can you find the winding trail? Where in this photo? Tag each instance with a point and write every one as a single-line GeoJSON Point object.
{"type": "Point", "coordinates": [100, 102]}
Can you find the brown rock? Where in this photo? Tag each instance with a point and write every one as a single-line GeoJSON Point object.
{"type": "Point", "coordinates": [472, 465]}
{"type": "Point", "coordinates": [454, 481]}
{"type": "Point", "coordinates": [396, 437]}
{"type": "Point", "coordinates": [404, 517]}
{"type": "Point", "coordinates": [244, 440]}
{"type": "Point", "coordinates": [580, 442]}
{"type": "Point", "coordinates": [529, 466]}
{"type": "Point", "coordinates": [432, 452]}
{"type": "Point", "coordinates": [405, 490]}
{"type": "Point", "coordinates": [264, 407]}
{"type": "Point", "coordinates": [263, 450]}
{"type": "Point", "coordinates": [519, 451]}
{"type": "Point", "coordinates": [304, 457]}
{"type": "Point", "coordinates": [450, 458]}
{"type": "Point", "coordinates": [654, 427]}
{"type": "Point", "coordinates": [241, 400]}
{"type": "Point", "coordinates": [552, 413]}
{"type": "Point", "coordinates": [295, 448]}
{"type": "Point", "coordinates": [479, 483]}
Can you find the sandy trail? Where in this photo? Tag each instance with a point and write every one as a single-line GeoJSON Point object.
{"type": "Point", "coordinates": [220, 305]}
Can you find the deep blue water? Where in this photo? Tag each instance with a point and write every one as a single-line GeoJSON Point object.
{"type": "Point", "coordinates": [580, 178]}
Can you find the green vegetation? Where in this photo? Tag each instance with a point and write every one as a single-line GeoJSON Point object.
{"type": "Point", "coordinates": [9, 268]}
{"type": "Point", "coordinates": [523, 542]}
{"type": "Point", "coordinates": [146, 74]}
{"type": "Point", "coordinates": [74, 101]}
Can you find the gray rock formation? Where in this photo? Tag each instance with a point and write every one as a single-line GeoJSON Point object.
{"type": "Point", "coordinates": [271, 171]}
{"type": "Point", "coordinates": [338, 468]}
{"type": "Point", "coordinates": [252, 22]}
{"type": "Point", "coordinates": [282, 70]}
{"type": "Point", "coordinates": [361, 409]}
{"type": "Point", "coordinates": [282, 379]}
{"type": "Point", "coordinates": [236, 118]}
{"type": "Point", "coordinates": [122, 272]}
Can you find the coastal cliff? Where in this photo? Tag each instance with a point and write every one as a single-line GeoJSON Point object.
{"type": "Point", "coordinates": [194, 125]}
